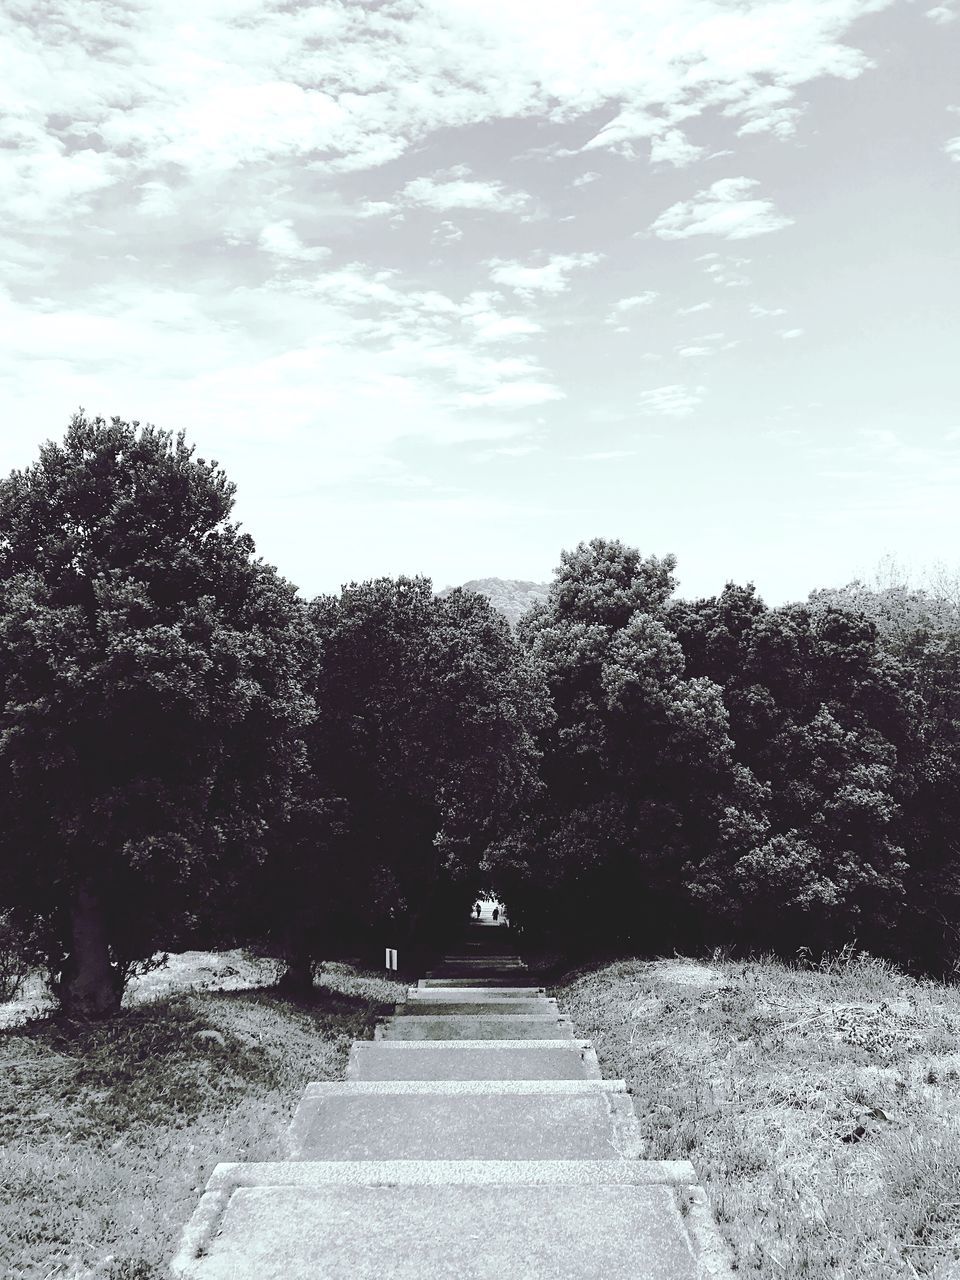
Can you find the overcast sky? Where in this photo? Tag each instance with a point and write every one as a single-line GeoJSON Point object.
{"type": "Point", "coordinates": [450, 285]}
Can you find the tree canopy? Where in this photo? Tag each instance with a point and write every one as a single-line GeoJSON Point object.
{"type": "Point", "coordinates": [148, 693]}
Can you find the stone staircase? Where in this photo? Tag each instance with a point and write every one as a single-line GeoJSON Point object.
{"type": "Point", "coordinates": [473, 1137]}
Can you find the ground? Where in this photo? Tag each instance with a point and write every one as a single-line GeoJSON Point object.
{"type": "Point", "coordinates": [821, 1106]}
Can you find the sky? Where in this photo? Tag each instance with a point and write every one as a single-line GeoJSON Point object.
{"type": "Point", "coordinates": [448, 286]}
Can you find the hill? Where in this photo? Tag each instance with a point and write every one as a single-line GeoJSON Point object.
{"type": "Point", "coordinates": [511, 596]}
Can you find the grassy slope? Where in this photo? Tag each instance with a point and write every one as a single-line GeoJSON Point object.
{"type": "Point", "coordinates": [108, 1133]}
{"type": "Point", "coordinates": [820, 1107]}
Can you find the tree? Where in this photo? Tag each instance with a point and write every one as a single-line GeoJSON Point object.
{"type": "Point", "coordinates": [638, 768]}
{"type": "Point", "coordinates": [150, 696]}
{"type": "Point", "coordinates": [428, 711]}
{"type": "Point", "coordinates": [818, 714]}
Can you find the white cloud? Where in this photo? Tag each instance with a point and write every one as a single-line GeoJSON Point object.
{"type": "Point", "coordinates": [673, 147]}
{"type": "Point", "coordinates": [447, 233]}
{"type": "Point", "coordinates": [757, 310]}
{"type": "Point", "coordinates": [725, 270]}
{"type": "Point", "coordinates": [724, 209]}
{"type": "Point", "coordinates": [457, 193]}
{"type": "Point", "coordinates": [698, 306]}
{"type": "Point", "coordinates": [585, 179]}
{"type": "Point", "coordinates": [280, 239]}
{"type": "Point", "coordinates": [552, 278]}
{"type": "Point", "coordinates": [766, 110]}
{"type": "Point", "coordinates": [672, 401]}
{"type": "Point", "coordinates": [223, 87]}
{"type": "Point", "coordinates": [375, 208]}
{"type": "Point", "coordinates": [157, 201]}
{"type": "Point", "coordinates": [488, 326]}
{"type": "Point", "coordinates": [622, 309]}
{"type": "Point", "coordinates": [952, 148]}
{"type": "Point", "coordinates": [637, 300]}
{"type": "Point", "coordinates": [788, 334]}
{"type": "Point", "coordinates": [942, 14]}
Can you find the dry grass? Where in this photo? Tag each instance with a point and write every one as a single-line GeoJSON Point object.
{"type": "Point", "coordinates": [108, 1133]}
{"type": "Point", "coordinates": [821, 1107]}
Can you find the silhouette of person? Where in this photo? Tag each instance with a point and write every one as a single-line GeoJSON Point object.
{"type": "Point", "coordinates": [477, 910]}
{"type": "Point", "coordinates": [496, 914]}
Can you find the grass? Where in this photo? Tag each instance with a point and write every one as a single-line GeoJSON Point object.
{"type": "Point", "coordinates": [820, 1106]}
{"type": "Point", "coordinates": [108, 1133]}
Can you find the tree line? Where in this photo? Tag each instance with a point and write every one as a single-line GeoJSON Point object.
{"type": "Point", "coordinates": [191, 753]}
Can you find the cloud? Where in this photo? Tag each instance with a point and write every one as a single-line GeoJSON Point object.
{"type": "Point", "coordinates": [725, 209]}
{"type": "Point", "coordinates": [788, 334]}
{"type": "Point", "coordinates": [942, 15]}
{"type": "Point", "coordinates": [457, 193]}
{"type": "Point", "coordinates": [637, 300]}
{"type": "Point", "coordinates": [585, 179]}
{"type": "Point", "coordinates": [673, 147]}
{"type": "Point", "coordinates": [952, 148]}
{"type": "Point", "coordinates": [343, 88]}
{"type": "Point", "coordinates": [725, 269]}
{"type": "Point", "coordinates": [622, 309]}
{"type": "Point", "coordinates": [699, 306]}
{"type": "Point", "coordinates": [757, 310]}
{"type": "Point", "coordinates": [765, 110]}
{"type": "Point", "coordinates": [279, 239]}
{"type": "Point", "coordinates": [672, 401]}
{"type": "Point", "coordinates": [552, 278]}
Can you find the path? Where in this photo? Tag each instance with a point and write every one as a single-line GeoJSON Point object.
{"type": "Point", "coordinates": [473, 1138]}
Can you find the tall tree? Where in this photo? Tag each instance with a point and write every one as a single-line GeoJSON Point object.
{"type": "Point", "coordinates": [150, 695]}
{"type": "Point", "coordinates": [425, 738]}
{"type": "Point", "coordinates": [639, 766]}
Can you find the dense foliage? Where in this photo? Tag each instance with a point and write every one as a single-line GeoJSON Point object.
{"type": "Point", "coordinates": [148, 694]}
{"type": "Point", "coordinates": [188, 749]}
{"type": "Point", "coordinates": [724, 771]}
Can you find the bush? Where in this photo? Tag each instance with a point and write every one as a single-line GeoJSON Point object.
{"type": "Point", "coordinates": [17, 955]}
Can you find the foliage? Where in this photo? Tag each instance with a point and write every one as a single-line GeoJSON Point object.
{"type": "Point", "coordinates": [639, 763]}
{"type": "Point", "coordinates": [819, 1105]}
{"type": "Point", "coordinates": [781, 777]}
{"type": "Point", "coordinates": [427, 714]}
{"type": "Point", "coordinates": [150, 696]}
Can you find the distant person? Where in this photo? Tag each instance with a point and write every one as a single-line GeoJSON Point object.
{"type": "Point", "coordinates": [477, 909]}
{"type": "Point", "coordinates": [496, 914]}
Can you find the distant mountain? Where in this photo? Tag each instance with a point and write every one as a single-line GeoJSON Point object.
{"type": "Point", "coordinates": [508, 595]}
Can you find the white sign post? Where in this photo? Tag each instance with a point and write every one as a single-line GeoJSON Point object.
{"type": "Point", "coordinates": [391, 958]}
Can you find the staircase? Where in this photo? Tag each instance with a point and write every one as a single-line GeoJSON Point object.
{"type": "Point", "coordinates": [473, 1138]}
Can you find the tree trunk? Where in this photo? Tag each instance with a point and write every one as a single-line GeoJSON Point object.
{"type": "Point", "coordinates": [89, 988]}
{"type": "Point", "coordinates": [297, 978]}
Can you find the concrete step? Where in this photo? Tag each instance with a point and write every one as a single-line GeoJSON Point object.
{"type": "Point", "coordinates": [517, 982]}
{"type": "Point", "coordinates": [503, 977]}
{"type": "Point", "coordinates": [271, 1225]}
{"type": "Point", "coordinates": [467, 1120]}
{"type": "Point", "coordinates": [504, 1026]}
{"type": "Point", "coordinates": [473, 1060]}
{"type": "Point", "coordinates": [443, 1008]}
{"type": "Point", "coordinates": [474, 995]}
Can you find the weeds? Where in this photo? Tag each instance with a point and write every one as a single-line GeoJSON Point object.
{"type": "Point", "coordinates": [820, 1103]}
{"type": "Point", "coordinates": [109, 1132]}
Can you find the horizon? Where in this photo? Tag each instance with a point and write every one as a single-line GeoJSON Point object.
{"type": "Point", "coordinates": [448, 288]}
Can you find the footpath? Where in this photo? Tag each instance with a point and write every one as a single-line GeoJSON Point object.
{"type": "Point", "coordinates": [473, 1137]}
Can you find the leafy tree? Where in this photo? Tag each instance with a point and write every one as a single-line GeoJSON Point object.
{"type": "Point", "coordinates": [425, 745]}
{"type": "Point", "coordinates": [919, 628]}
{"type": "Point", "coordinates": [818, 713]}
{"type": "Point", "coordinates": [638, 769]}
{"type": "Point", "coordinates": [150, 697]}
